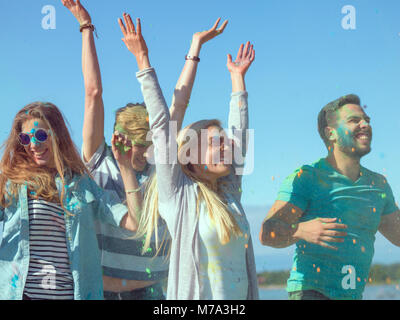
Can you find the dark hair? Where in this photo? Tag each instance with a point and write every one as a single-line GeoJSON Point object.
{"type": "Point", "coordinates": [329, 110]}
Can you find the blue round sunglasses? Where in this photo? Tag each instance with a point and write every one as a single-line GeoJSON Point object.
{"type": "Point", "coordinates": [36, 135]}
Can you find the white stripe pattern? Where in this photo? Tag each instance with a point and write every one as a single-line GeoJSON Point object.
{"type": "Point", "coordinates": [49, 274]}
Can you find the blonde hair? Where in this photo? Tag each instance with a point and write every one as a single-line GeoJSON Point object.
{"type": "Point", "coordinates": [225, 223]}
{"type": "Point", "coordinates": [17, 168]}
{"type": "Point", "coordinates": [133, 120]}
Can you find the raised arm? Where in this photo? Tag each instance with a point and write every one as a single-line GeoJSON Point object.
{"type": "Point", "coordinates": [238, 122]}
{"type": "Point", "coordinates": [93, 124]}
{"type": "Point", "coordinates": [133, 191]}
{"type": "Point", "coordinates": [184, 86]}
{"type": "Point", "coordinates": [164, 139]}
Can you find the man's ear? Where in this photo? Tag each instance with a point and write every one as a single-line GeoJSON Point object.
{"type": "Point", "coordinates": [330, 134]}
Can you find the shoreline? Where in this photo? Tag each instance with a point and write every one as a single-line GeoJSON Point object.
{"type": "Point", "coordinates": [283, 286]}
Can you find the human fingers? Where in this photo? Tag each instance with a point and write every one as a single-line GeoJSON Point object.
{"type": "Point", "coordinates": [246, 49]}
{"type": "Point", "coordinates": [122, 26]}
{"type": "Point", "coordinates": [68, 3]}
{"type": "Point", "coordinates": [138, 26]}
{"type": "Point", "coordinates": [325, 245]}
{"type": "Point", "coordinates": [126, 21]}
{"type": "Point", "coordinates": [335, 233]}
{"type": "Point", "coordinates": [331, 239]}
{"type": "Point", "coordinates": [240, 52]}
{"type": "Point", "coordinates": [326, 220]}
{"type": "Point", "coordinates": [229, 59]}
{"type": "Point", "coordinates": [249, 51]}
{"type": "Point", "coordinates": [214, 27]}
{"type": "Point", "coordinates": [131, 25]}
{"type": "Point", "coordinates": [335, 226]}
{"type": "Point", "coordinates": [223, 26]}
{"type": "Point", "coordinates": [253, 54]}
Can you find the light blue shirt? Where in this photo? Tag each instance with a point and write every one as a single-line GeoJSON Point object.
{"type": "Point", "coordinates": [322, 192]}
{"type": "Point", "coordinates": [86, 201]}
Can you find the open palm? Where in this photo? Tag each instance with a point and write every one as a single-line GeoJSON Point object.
{"type": "Point", "coordinates": [244, 59]}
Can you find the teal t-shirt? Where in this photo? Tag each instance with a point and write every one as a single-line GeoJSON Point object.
{"type": "Point", "coordinates": [322, 192]}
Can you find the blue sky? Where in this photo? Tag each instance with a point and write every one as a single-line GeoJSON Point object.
{"type": "Point", "coordinates": [304, 59]}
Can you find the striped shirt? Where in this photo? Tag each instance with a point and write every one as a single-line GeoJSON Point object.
{"type": "Point", "coordinates": [49, 274]}
{"type": "Point", "coordinates": [121, 257]}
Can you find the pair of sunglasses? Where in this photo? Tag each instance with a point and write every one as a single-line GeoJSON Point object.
{"type": "Point", "coordinates": [39, 135]}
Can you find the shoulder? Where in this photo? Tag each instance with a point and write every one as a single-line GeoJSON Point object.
{"type": "Point", "coordinates": [307, 171]}
{"type": "Point", "coordinates": [379, 178]}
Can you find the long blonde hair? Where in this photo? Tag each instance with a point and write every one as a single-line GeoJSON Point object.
{"type": "Point", "coordinates": [17, 168]}
{"type": "Point", "coordinates": [225, 223]}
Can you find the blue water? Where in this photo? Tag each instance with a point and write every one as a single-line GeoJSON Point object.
{"type": "Point", "coordinates": [384, 292]}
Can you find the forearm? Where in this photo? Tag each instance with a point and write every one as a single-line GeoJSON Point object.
{"type": "Point", "coordinates": [278, 234]}
{"type": "Point", "coordinates": [134, 197]}
{"type": "Point", "coordinates": [143, 61]}
{"type": "Point", "coordinates": [90, 65]}
{"type": "Point", "coordinates": [164, 139]}
{"type": "Point", "coordinates": [238, 123]}
{"type": "Point", "coordinates": [184, 86]}
{"type": "Point", "coordinates": [238, 82]}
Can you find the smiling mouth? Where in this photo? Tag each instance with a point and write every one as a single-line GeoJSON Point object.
{"type": "Point", "coordinates": [363, 136]}
{"type": "Point", "coordinates": [40, 155]}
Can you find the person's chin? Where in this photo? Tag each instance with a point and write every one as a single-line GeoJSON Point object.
{"type": "Point", "coordinates": [139, 167]}
{"type": "Point", "coordinates": [224, 170]}
{"type": "Point", "coordinates": [360, 152]}
{"type": "Point", "coordinates": [43, 163]}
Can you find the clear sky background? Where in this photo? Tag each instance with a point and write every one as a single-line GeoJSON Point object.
{"type": "Point", "coordinates": [304, 59]}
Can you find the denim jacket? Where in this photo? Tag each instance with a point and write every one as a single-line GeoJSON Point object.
{"type": "Point", "coordinates": [86, 201]}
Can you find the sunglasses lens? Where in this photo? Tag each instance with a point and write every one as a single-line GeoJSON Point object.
{"type": "Point", "coordinates": [41, 135]}
{"type": "Point", "coordinates": [24, 139]}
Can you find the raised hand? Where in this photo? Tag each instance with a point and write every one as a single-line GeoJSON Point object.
{"type": "Point", "coordinates": [204, 36]}
{"type": "Point", "coordinates": [122, 149]}
{"type": "Point", "coordinates": [134, 40]}
{"type": "Point", "coordinates": [244, 59]}
{"type": "Point", "coordinates": [79, 12]}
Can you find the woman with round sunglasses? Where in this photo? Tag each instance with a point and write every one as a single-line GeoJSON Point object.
{"type": "Point", "coordinates": [134, 265]}
{"type": "Point", "coordinates": [211, 252]}
{"type": "Point", "coordinates": [48, 204]}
